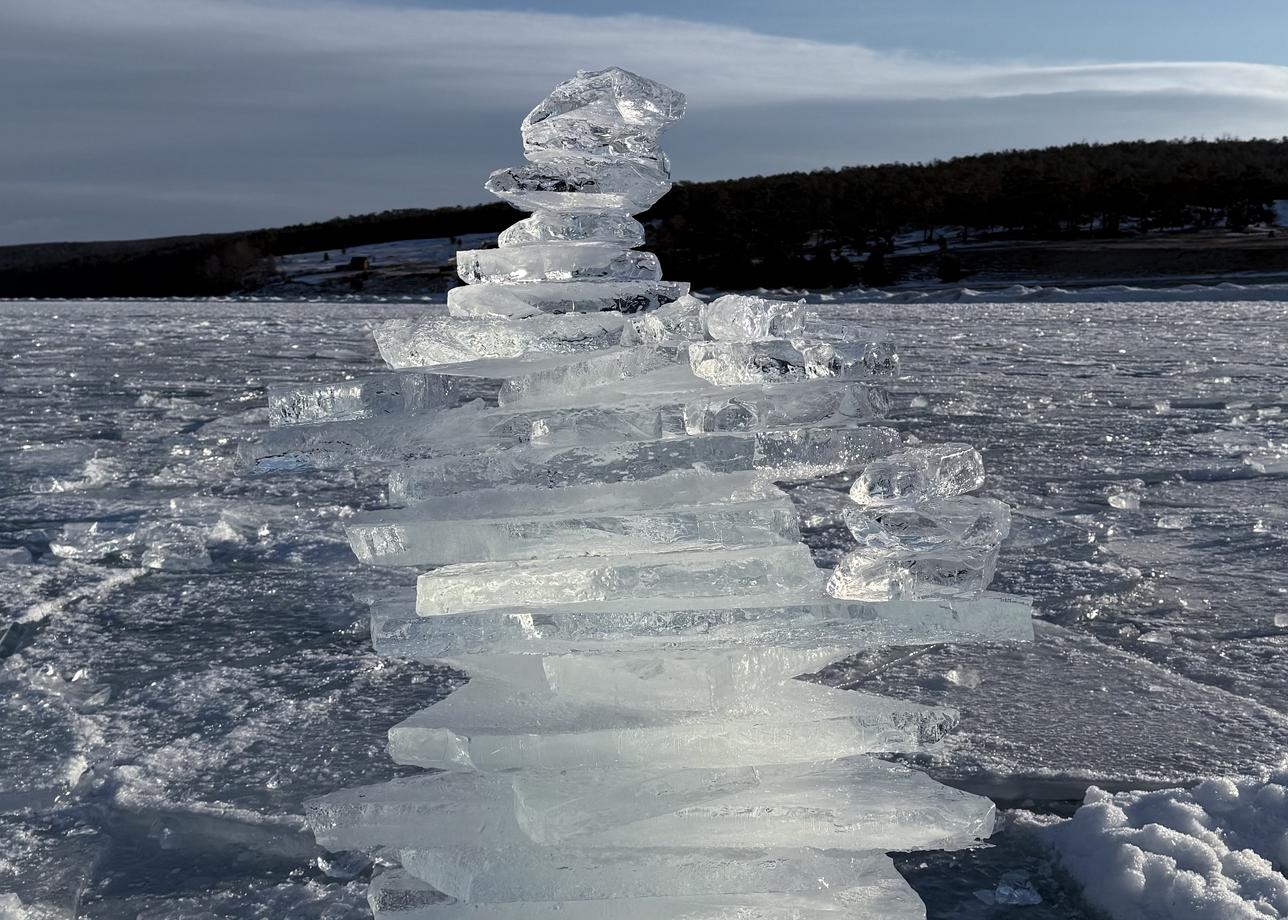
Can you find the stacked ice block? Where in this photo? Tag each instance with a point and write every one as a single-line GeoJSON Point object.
{"type": "Point", "coordinates": [583, 466]}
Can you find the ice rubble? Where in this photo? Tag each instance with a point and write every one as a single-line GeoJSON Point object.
{"type": "Point", "coordinates": [589, 456]}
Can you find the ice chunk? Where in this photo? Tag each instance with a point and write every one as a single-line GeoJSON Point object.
{"type": "Point", "coordinates": [574, 227]}
{"type": "Point", "coordinates": [889, 570]}
{"type": "Point", "coordinates": [556, 262]}
{"type": "Point", "coordinates": [795, 621]}
{"type": "Point", "coordinates": [96, 540]}
{"type": "Point", "coordinates": [966, 520]}
{"type": "Point", "coordinates": [740, 318]}
{"type": "Point", "coordinates": [734, 363]}
{"type": "Point", "coordinates": [605, 113]}
{"type": "Point", "coordinates": [577, 183]}
{"type": "Point", "coordinates": [680, 320]}
{"type": "Point", "coordinates": [515, 301]}
{"type": "Point", "coordinates": [641, 577]}
{"type": "Point", "coordinates": [918, 473]}
{"type": "Point", "coordinates": [781, 453]}
{"type": "Point", "coordinates": [407, 343]}
{"type": "Point", "coordinates": [490, 726]}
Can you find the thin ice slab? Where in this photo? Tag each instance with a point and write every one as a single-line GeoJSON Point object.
{"type": "Point", "coordinates": [556, 262]}
{"type": "Point", "coordinates": [856, 803]}
{"type": "Point", "coordinates": [411, 537]}
{"type": "Point", "coordinates": [799, 621]}
{"type": "Point", "coordinates": [783, 453]}
{"type": "Point", "coordinates": [515, 301]}
{"type": "Point", "coordinates": [884, 895]}
{"type": "Point", "coordinates": [410, 343]}
{"type": "Point", "coordinates": [636, 578]}
{"type": "Point", "coordinates": [488, 726]}
{"type": "Point", "coordinates": [533, 873]}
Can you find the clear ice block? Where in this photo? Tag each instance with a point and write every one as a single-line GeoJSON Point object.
{"type": "Point", "coordinates": [917, 473]}
{"type": "Point", "coordinates": [796, 621]}
{"type": "Point", "coordinates": [569, 182]}
{"type": "Point", "coordinates": [556, 262]}
{"type": "Point", "coordinates": [735, 363]}
{"type": "Point", "coordinates": [574, 227]}
{"type": "Point", "coordinates": [408, 537]}
{"type": "Point", "coordinates": [855, 803]}
{"type": "Point", "coordinates": [487, 726]}
{"type": "Point", "coordinates": [516, 301]}
{"type": "Point", "coordinates": [773, 568]}
{"type": "Point", "coordinates": [409, 343]}
{"type": "Point", "coordinates": [782, 453]}
{"type": "Point", "coordinates": [604, 113]}
{"type": "Point", "coordinates": [965, 520]}
{"type": "Point", "coordinates": [892, 571]}
{"type": "Point", "coordinates": [680, 320]}
{"type": "Point", "coordinates": [883, 895]}
{"type": "Point", "coordinates": [741, 318]}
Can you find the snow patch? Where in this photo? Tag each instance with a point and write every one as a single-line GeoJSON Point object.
{"type": "Point", "coordinates": [1213, 852]}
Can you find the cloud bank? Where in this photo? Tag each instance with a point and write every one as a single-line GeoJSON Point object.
{"type": "Point", "coordinates": [127, 117]}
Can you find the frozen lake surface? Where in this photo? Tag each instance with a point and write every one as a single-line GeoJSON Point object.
{"type": "Point", "coordinates": [184, 662]}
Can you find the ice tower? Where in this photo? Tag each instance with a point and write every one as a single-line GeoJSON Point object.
{"type": "Point", "coordinates": [585, 466]}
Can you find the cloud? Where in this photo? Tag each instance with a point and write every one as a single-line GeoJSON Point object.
{"type": "Point", "coordinates": [128, 117]}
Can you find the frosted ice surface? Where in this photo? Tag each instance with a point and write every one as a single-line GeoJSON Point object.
{"type": "Point", "coordinates": [574, 227]}
{"type": "Point", "coordinates": [794, 621]}
{"type": "Point", "coordinates": [407, 343]}
{"type": "Point", "coordinates": [576, 183]}
{"type": "Point", "coordinates": [937, 471]}
{"type": "Point", "coordinates": [515, 301]}
{"type": "Point", "coordinates": [740, 318]}
{"type": "Point", "coordinates": [640, 577]}
{"type": "Point", "coordinates": [556, 262]}
{"type": "Point", "coordinates": [790, 453]}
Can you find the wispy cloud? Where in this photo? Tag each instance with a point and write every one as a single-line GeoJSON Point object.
{"type": "Point", "coordinates": [206, 114]}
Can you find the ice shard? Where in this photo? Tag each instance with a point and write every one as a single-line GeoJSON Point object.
{"type": "Point", "coordinates": [584, 465]}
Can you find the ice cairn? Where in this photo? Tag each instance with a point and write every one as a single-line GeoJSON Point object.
{"type": "Point", "coordinates": [583, 465]}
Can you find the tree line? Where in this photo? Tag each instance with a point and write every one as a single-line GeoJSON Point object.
{"type": "Point", "coordinates": [809, 229]}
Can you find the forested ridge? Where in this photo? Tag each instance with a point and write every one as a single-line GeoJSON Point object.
{"type": "Point", "coordinates": [822, 228]}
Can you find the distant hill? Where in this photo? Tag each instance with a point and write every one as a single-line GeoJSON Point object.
{"type": "Point", "coordinates": [815, 229]}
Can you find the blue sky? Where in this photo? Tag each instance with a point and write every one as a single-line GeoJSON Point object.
{"type": "Point", "coordinates": [128, 118]}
